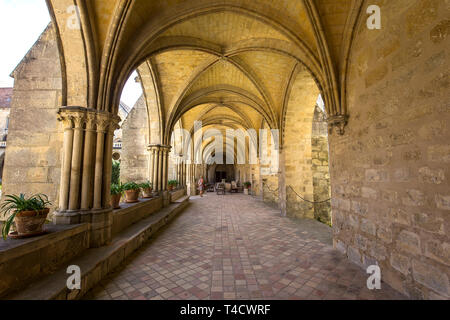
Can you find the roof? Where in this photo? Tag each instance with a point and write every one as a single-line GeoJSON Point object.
{"type": "Point", "coordinates": [5, 97]}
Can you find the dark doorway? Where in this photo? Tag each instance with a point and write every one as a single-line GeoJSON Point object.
{"type": "Point", "coordinates": [220, 175]}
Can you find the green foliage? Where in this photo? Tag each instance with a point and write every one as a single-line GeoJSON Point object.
{"type": "Point", "coordinates": [146, 185]}
{"type": "Point", "coordinates": [247, 184]}
{"type": "Point", "coordinates": [173, 183]}
{"type": "Point", "coordinates": [15, 204]}
{"type": "Point", "coordinates": [116, 189]}
{"type": "Point", "coordinates": [115, 177]}
{"type": "Point", "coordinates": [131, 186]}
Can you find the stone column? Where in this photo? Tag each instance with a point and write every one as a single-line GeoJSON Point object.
{"type": "Point", "coordinates": [66, 161]}
{"type": "Point", "coordinates": [282, 182]}
{"type": "Point", "coordinates": [161, 161]}
{"type": "Point", "coordinates": [178, 169]}
{"type": "Point", "coordinates": [102, 123]}
{"type": "Point", "coordinates": [154, 165]}
{"type": "Point", "coordinates": [88, 165]}
{"type": "Point", "coordinates": [75, 172]}
{"type": "Point", "coordinates": [165, 175]}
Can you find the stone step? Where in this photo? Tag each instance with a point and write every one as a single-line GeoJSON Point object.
{"type": "Point", "coordinates": [96, 263]}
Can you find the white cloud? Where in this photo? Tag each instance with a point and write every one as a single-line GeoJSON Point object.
{"type": "Point", "coordinates": [21, 23]}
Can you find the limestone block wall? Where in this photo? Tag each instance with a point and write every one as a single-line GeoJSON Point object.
{"type": "Point", "coordinates": [135, 139]}
{"type": "Point", "coordinates": [390, 172]}
{"type": "Point", "coordinates": [297, 145]}
{"type": "Point", "coordinates": [33, 155]}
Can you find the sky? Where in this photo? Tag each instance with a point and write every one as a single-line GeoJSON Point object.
{"type": "Point", "coordinates": [21, 23]}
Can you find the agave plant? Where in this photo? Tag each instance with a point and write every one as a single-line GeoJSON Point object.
{"type": "Point", "coordinates": [14, 204]}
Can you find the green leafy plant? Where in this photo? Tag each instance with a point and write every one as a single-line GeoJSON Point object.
{"type": "Point", "coordinates": [14, 204]}
{"type": "Point", "coordinates": [146, 185]}
{"type": "Point", "coordinates": [131, 186]}
{"type": "Point", "coordinates": [116, 189]}
{"type": "Point", "coordinates": [115, 177]}
{"type": "Point", "coordinates": [247, 184]}
{"type": "Point", "coordinates": [173, 183]}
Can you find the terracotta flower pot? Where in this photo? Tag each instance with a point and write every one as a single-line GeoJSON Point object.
{"type": "Point", "coordinates": [115, 201]}
{"type": "Point", "coordinates": [29, 223]}
{"type": "Point", "coordinates": [170, 188]}
{"type": "Point", "coordinates": [132, 195]}
{"type": "Point", "coordinates": [147, 192]}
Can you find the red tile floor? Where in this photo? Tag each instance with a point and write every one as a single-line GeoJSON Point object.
{"type": "Point", "coordinates": [236, 247]}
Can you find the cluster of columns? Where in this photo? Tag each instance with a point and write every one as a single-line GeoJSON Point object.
{"type": "Point", "coordinates": [181, 169]}
{"type": "Point", "coordinates": [86, 170]}
{"type": "Point", "coordinates": [158, 166]}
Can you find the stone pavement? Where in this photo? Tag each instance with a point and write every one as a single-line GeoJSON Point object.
{"type": "Point", "coordinates": [236, 247]}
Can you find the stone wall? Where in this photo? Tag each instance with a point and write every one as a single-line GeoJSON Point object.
{"type": "Point", "coordinates": [390, 171]}
{"type": "Point", "coordinates": [33, 155]}
{"type": "Point", "coordinates": [320, 168]}
{"type": "Point", "coordinates": [135, 139]}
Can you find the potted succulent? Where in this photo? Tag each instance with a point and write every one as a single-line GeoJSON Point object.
{"type": "Point", "coordinates": [247, 186]}
{"type": "Point", "coordinates": [116, 195]}
{"type": "Point", "coordinates": [132, 191]}
{"type": "Point", "coordinates": [172, 184]}
{"type": "Point", "coordinates": [28, 214]}
{"type": "Point", "coordinates": [146, 189]}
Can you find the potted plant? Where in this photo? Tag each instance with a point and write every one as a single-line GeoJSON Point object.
{"type": "Point", "coordinates": [28, 214]}
{"type": "Point", "coordinates": [172, 184]}
{"type": "Point", "coordinates": [116, 195]}
{"type": "Point", "coordinates": [146, 189]}
{"type": "Point", "coordinates": [132, 191]}
{"type": "Point", "coordinates": [247, 186]}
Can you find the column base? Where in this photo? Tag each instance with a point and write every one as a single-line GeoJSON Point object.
{"type": "Point", "coordinates": [100, 224]}
{"type": "Point", "coordinates": [166, 198]}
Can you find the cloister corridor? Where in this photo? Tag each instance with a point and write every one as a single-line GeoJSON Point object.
{"type": "Point", "coordinates": [234, 246]}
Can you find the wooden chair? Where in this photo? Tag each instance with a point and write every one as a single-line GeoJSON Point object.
{"type": "Point", "coordinates": [220, 188]}
{"type": "Point", "coordinates": [234, 187]}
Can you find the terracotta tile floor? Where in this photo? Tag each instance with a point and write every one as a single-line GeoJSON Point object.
{"type": "Point", "coordinates": [236, 247]}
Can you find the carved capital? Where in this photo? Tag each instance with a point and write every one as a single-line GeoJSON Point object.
{"type": "Point", "coordinates": [102, 122]}
{"type": "Point", "coordinates": [337, 123]}
{"type": "Point", "coordinates": [66, 119]}
{"type": "Point", "coordinates": [90, 121]}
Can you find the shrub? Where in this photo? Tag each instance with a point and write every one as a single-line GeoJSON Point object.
{"type": "Point", "coordinates": [247, 184]}
{"type": "Point", "coordinates": [116, 189]}
{"type": "Point", "coordinates": [173, 183]}
{"type": "Point", "coordinates": [115, 177]}
{"type": "Point", "coordinates": [146, 185]}
{"type": "Point", "coordinates": [131, 186]}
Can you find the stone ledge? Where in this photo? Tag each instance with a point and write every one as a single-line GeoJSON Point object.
{"type": "Point", "coordinates": [24, 260]}
{"type": "Point", "coordinates": [177, 194]}
{"type": "Point", "coordinates": [130, 213]}
{"type": "Point", "coordinates": [96, 263]}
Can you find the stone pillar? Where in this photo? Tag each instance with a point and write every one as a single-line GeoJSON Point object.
{"type": "Point", "coordinates": [66, 161]}
{"type": "Point", "coordinates": [85, 183]}
{"type": "Point", "coordinates": [165, 175]}
{"type": "Point", "coordinates": [88, 165]}
{"type": "Point", "coordinates": [154, 163]}
{"type": "Point", "coordinates": [178, 169]}
{"type": "Point", "coordinates": [282, 182]}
